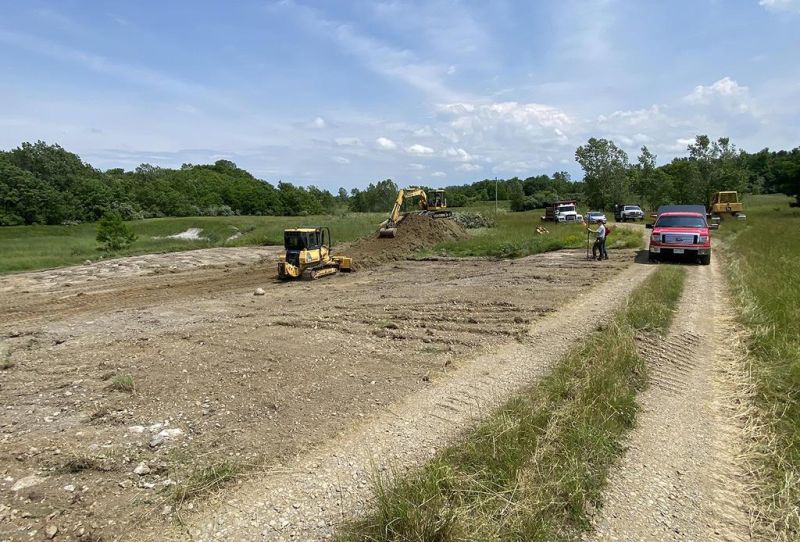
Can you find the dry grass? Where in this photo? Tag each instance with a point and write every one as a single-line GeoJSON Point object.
{"type": "Point", "coordinates": [763, 256]}
{"type": "Point", "coordinates": [205, 480]}
{"type": "Point", "coordinates": [123, 383]}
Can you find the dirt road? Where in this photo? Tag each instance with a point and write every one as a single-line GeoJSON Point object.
{"type": "Point", "coordinates": [682, 477]}
{"type": "Point", "coordinates": [222, 377]}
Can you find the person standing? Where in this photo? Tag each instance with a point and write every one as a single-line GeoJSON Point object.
{"type": "Point", "coordinates": [599, 247]}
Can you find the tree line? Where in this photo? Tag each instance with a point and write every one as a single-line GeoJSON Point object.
{"type": "Point", "coordinates": [711, 166]}
{"type": "Point", "coordinates": [46, 184]}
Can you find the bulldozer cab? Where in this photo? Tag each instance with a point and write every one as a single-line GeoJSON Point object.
{"type": "Point", "coordinates": [306, 238]}
{"type": "Point", "coordinates": [725, 197]}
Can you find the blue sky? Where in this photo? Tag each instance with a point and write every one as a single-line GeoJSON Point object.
{"type": "Point", "coordinates": [440, 92]}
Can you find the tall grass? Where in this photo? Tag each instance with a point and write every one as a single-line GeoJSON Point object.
{"type": "Point", "coordinates": [537, 466]}
{"type": "Point", "coordinates": [764, 265]}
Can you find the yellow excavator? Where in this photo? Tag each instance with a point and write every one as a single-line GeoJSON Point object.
{"type": "Point", "coordinates": [308, 254]}
{"type": "Point", "coordinates": [435, 207]}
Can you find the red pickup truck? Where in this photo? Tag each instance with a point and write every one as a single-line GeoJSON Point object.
{"type": "Point", "coordinates": [681, 231]}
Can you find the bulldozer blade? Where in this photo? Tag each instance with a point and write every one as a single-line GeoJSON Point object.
{"type": "Point", "coordinates": [387, 232]}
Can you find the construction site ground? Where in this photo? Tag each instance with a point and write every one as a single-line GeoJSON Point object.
{"type": "Point", "coordinates": [222, 375]}
{"type": "Point", "coordinates": [123, 380]}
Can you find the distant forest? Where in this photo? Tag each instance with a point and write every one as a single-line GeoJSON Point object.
{"type": "Point", "coordinates": [46, 184]}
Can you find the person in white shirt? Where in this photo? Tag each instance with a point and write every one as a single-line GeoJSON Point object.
{"type": "Point", "coordinates": [599, 247]}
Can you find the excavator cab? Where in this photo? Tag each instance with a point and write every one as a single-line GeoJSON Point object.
{"type": "Point", "coordinates": [437, 201]}
{"type": "Point", "coordinates": [434, 206]}
{"type": "Point", "coordinates": [308, 254]}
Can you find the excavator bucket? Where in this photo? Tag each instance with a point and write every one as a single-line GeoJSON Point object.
{"type": "Point", "coordinates": [387, 232]}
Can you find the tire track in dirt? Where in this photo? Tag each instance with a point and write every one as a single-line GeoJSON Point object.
{"type": "Point", "coordinates": [682, 477]}
{"type": "Point", "coordinates": [305, 498]}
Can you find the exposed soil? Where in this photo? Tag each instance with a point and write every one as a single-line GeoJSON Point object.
{"type": "Point", "coordinates": [683, 477]}
{"type": "Point", "coordinates": [306, 497]}
{"type": "Point", "coordinates": [251, 380]}
{"type": "Point", "coordinates": [414, 232]}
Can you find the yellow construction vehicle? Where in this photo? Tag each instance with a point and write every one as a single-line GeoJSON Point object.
{"type": "Point", "coordinates": [308, 254]}
{"type": "Point", "coordinates": [723, 203]}
{"type": "Point", "coordinates": [435, 207]}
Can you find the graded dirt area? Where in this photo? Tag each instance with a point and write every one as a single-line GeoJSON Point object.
{"type": "Point", "coordinates": [116, 389]}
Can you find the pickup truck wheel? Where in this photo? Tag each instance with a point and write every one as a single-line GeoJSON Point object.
{"type": "Point", "coordinates": [652, 258]}
{"type": "Point", "coordinates": [705, 260]}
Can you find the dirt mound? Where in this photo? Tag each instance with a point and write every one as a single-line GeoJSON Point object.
{"type": "Point", "coordinates": [413, 233]}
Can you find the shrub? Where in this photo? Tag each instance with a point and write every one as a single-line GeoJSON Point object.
{"type": "Point", "coordinates": [113, 234]}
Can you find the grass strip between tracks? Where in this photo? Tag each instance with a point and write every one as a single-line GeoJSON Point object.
{"type": "Point", "coordinates": [535, 469]}
{"type": "Point", "coordinates": [763, 256]}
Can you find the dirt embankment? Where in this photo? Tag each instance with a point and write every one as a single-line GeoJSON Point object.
{"type": "Point", "coordinates": [414, 232]}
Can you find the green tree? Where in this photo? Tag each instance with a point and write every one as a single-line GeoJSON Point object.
{"type": "Point", "coordinates": [605, 172]}
{"type": "Point", "coordinates": [113, 234]}
{"type": "Point", "coordinates": [377, 198]}
{"type": "Point", "coordinates": [516, 195]}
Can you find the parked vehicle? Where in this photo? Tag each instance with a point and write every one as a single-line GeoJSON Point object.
{"type": "Point", "coordinates": [628, 211]}
{"type": "Point", "coordinates": [681, 231]}
{"type": "Point", "coordinates": [726, 203]}
{"type": "Point", "coordinates": [562, 211]}
{"type": "Point", "coordinates": [594, 217]}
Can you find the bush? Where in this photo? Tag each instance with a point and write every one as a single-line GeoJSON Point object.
{"type": "Point", "coordinates": [473, 220]}
{"type": "Point", "coordinates": [113, 234]}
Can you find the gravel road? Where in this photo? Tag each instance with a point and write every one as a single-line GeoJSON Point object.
{"type": "Point", "coordinates": [682, 477]}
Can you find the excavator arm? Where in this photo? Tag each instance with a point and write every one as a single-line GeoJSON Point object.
{"type": "Point", "coordinates": [390, 226]}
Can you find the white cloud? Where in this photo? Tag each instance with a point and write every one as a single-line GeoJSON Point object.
{"type": "Point", "coordinates": [385, 143]}
{"type": "Point", "coordinates": [781, 5]}
{"type": "Point", "coordinates": [638, 117]}
{"type": "Point", "coordinates": [416, 166]}
{"type": "Point", "coordinates": [348, 141]}
{"type": "Point", "coordinates": [419, 150]}
{"type": "Point", "coordinates": [438, 174]}
{"type": "Point", "coordinates": [469, 167]}
{"type": "Point", "coordinates": [458, 154]}
{"type": "Point", "coordinates": [318, 122]}
{"type": "Point", "coordinates": [504, 115]}
{"type": "Point", "coordinates": [725, 94]}
{"type": "Point", "coordinates": [341, 160]}
{"type": "Point", "coordinates": [724, 87]}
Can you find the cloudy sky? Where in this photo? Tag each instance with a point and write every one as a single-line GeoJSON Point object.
{"type": "Point", "coordinates": [441, 92]}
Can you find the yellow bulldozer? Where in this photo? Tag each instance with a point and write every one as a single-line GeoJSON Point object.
{"type": "Point", "coordinates": [726, 203]}
{"type": "Point", "coordinates": [434, 207]}
{"type": "Point", "coordinates": [308, 254]}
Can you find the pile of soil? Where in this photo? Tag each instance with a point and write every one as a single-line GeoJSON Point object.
{"type": "Point", "coordinates": [414, 232]}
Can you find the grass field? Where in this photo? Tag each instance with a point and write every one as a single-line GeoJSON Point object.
{"type": "Point", "coordinates": [536, 467]}
{"type": "Point", "coordinates": [27, 248]}
{"type": "Point", "coordinates": [764, 258]}
{"type": "Point", "coordinates": [515, 236]}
